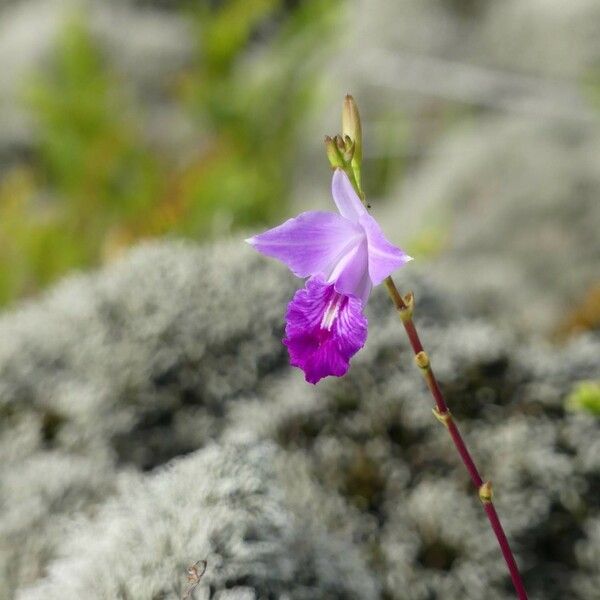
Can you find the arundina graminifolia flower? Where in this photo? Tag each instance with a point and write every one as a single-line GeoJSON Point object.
{"type": "Point", "coordinates": [344, 255]}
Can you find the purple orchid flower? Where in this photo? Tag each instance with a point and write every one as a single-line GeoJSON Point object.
{"type": "Point", "coordinates": [344, 255]}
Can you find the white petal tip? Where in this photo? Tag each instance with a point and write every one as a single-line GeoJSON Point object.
{"type": "Point", "coordinates": [408, 258]}
{"type": "Point", "coordinates": [250, 240]}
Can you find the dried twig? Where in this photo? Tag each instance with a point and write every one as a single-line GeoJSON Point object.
{"type": "Point", "coordinates": [194, 575]}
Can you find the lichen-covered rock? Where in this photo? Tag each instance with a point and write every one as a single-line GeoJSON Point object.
{"type": "Point", "coordinates": [178, 347]}
{"type": "Point", "coordinates": [239, 509]}
{"type": "Point", "coordinates": [38, 496]}
{"type": "Point", "coordinates": [587, 580]}
{"type": "Point", "coordinates": [126, 369]}
{"type": "Point", "coordinates": [141, 361]}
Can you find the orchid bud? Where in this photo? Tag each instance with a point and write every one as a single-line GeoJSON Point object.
{"type": "Point", "coordinates": [333, 154]}
{"type": "Point", "coordinates": [349, 146]}
{"type": "Point", "coordinates": [351, 127]}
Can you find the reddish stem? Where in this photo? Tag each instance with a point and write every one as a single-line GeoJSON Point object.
{"type": "Point", "coordinates": [404, 307]}
{"type": "Point", "coordinates": [444, 415]}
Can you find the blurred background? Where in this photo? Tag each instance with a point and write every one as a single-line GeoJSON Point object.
{"type": "Point", "coordinates": [135, 124]}
{"type": "Point", "coordinates": [124, 121]}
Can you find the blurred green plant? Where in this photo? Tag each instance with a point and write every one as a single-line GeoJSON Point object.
{"type": "Point", "coordinates": [585, 396]}
{"type": "Point", "coordinates": [96, 185]}
{"type": "Point", "coordinates": [253, 81]}
{"type": "Point", "coordinates": [90, 172]}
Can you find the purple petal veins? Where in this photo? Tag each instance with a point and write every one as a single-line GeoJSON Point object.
{"type": "Point", "coordinates": [324, 329]}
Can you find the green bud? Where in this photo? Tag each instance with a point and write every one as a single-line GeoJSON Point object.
{"type": "Point", "coordinates": [348, 152]}
{"type": "Point", "coordinates": [351, 127]}
{"type": "Point", "coordinates": [333, 153]}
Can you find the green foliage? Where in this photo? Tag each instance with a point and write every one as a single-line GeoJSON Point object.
{"type": "Point", "coordinates": [585, 396]}
{"type": "Point", "coordinates": [92, 174]}
{"type": "Point", "coordinates": [96, 185]}
{"type": "Point", "coordinates": [90, 150]}
{"type": "Point", "coordinates": [252, 84]}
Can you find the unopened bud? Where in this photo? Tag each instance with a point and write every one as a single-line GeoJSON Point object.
{"type": "Point", "coordinates": [351, 126]}
{"type": "Point", "coordinates": [333, 154]}
{"type": "Point", "coordinates": [348, 152]}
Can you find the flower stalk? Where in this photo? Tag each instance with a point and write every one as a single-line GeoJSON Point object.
{"type": "Point", "coordinates": [404, 305]}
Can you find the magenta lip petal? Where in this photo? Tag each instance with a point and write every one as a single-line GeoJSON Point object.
{"type": "Point", "coordinates": [345, 198]}
{"type": "Point", "coordinates": [324, 329]}
{"type": "Point", "coordinates": [384, 257]}
{"type": "Point", "coordinates": [310, 244]}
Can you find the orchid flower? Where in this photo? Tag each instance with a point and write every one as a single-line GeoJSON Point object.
{"type": "Point", "coordinates": [343, 256]}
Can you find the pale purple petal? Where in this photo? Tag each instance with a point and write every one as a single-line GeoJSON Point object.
{"type": "Point", "coordinates": [311, 244]}
{"type": "Point", "coordinates": [323, 330]}
{"type": "Point", "coordinates": [351, 274]}
{"type": "Point", "coordinates": [345, 198]}
{"type": "Point", "coordinates": [384, 258]}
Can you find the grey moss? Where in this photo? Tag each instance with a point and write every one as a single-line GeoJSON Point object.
{"type": "Point", "coordinates": [230, 506]}
{"type": "Point", "coordinates": [177, 348]}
